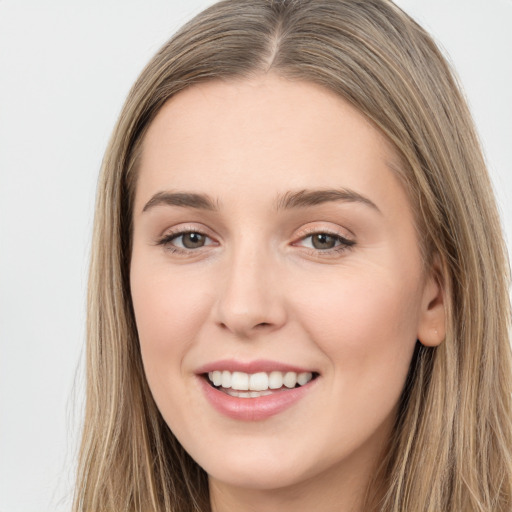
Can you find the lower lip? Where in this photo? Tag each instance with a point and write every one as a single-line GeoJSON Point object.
{"type": "Point", "coordinates": [254, 409]}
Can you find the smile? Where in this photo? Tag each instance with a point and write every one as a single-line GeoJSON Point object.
{"type": "Point", "coordinates": [253, 385]}
{"type": "Point", "coordinates": [254, 391]}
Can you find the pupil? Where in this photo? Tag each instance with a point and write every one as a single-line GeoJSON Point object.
{"type": "Point", "coordinates": [323, 241]}
{"type": "Point", "coordinates": [193, 240]}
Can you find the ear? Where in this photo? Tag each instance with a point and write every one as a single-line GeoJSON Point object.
{"type": "Point", "coordinates": [432, 320]}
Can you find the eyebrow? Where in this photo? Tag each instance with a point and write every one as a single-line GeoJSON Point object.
{"type": "Point", "coordinates": [289, 200]}
{"type": "Point", "coordinates": [183, 199]}
{"type": "Point", "coordinates": [305, 198]}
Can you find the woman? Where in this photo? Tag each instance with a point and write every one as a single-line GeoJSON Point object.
{"type": "Point", "coordinates": [298, 293]}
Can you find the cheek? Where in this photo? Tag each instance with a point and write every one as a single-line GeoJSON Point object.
{"type": "Point", "coordinates": [169, 311]}
{"type": "Point", "coordinates": [367, 310]}
{"type": "Point", "coordinates": [367, 331]}
{"type": "Point", "coordinates": [366, 326]}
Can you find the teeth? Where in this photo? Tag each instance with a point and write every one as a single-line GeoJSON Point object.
{"type": "Point", "coordinates": [258, 381]}
{"type": "Point", "coordinates": [226, 379]}
{"type": "Point", "coordinates": [275, 380]}
{"type": "Point", "coordinates": [216, 377]}
{"type": "Point", "coordinates": [290, 379]}
{"type": "Point", "coordinates": [247, 394]}
{"type": "Point", "coordinates": [303, 378]}
{"type": "Point", "coordinates": [240, 381]}
{"type": "Point", "coordinates": [253, 384]}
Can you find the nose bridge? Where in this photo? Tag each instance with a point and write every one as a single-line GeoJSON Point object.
{"type": "Point", "coordinates": [250, 299]}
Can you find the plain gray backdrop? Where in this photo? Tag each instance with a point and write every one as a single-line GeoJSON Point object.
{"type": "Point", "coordinates": [65, 69]}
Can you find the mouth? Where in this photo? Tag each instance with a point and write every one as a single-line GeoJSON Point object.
{"type": "Point", "coordinates": [254, 385]}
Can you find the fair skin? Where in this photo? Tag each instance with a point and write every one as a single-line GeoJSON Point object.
{"type": "Point", "coordinates": [266, 278]}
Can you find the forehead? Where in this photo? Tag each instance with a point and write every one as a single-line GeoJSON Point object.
{"type": "Point", "coordinates": [265, 136]}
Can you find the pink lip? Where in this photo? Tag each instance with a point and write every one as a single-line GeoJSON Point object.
{"type": "Point", "coordinates": [252, 409]}
{"type": "Point", "coordinates": [259, 365]}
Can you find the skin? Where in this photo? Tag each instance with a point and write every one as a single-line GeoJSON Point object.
{"type": "Point", "coordinates": [259, 289]}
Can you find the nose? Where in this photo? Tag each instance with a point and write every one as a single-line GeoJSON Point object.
{"type": "Point", "coordinates": [251, 299]}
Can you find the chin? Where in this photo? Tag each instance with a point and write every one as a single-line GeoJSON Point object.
{"type": "Point", "coordinates": [269, 469]}
{"type": "Point", "coordinates": [263, 477]}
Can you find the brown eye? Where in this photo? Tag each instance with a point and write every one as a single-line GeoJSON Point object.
{"type": "Point", "coordinates": [185, 241]}
{"type": "Point", "coordinates": [323, 241]}
{"type": "Point", "coordinates": [192, 240]}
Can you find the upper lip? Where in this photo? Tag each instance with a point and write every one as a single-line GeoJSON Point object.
{"type": "Point", "coordinates": [258, 365]}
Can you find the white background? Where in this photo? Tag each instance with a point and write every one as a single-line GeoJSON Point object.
{"type": "Point", "coordinates": [65, 69]}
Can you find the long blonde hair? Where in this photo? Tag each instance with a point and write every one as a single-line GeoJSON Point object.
{"type": "Point", "coordinates": [451, 447]}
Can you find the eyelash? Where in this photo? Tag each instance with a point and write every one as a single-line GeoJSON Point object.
{"type": "Point", "coordinates": [344, 244]}
{"type": "Point", "coordinates": [166, 240]}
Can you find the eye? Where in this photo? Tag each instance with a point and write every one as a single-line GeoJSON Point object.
{"type": "Point", "coordinates": [323, 241]}
{"type": "Point", "coordinates": [190, 240]}
{"type": "Point", "coordinates": [186, 240]}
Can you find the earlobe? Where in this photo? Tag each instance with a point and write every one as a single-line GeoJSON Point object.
{"type": "Point", "coordinates": [432, 322]}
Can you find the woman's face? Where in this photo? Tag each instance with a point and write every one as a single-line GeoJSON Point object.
{"type": "Point", "coordinates": [273, 246]}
